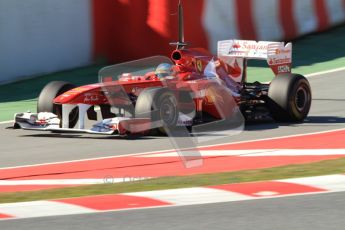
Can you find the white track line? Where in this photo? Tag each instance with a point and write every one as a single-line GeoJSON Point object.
{"type": "Point", "coordinates": [105, 180]}
{"type": "Point", "coordinates": [6, 122]}
{"type": "Point", "coordinates": [42, 209]}
{"type": "Point", "coordinates": [334, 183]}
{"type": "Point", "coordinates": [190, 196]}
{"type": "Point", "coordinates": [256, 153]}
{"type": "Point", "coordinates": [325, 72]}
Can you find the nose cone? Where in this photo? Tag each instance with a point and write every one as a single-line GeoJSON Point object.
{"type": "Point", "coordinates": [76, 95]}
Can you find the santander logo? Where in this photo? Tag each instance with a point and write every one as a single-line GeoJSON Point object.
{"type": "Point", "coordinates": [254, 46]}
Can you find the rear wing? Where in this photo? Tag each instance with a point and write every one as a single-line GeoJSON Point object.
{"type": "Point", "coordinates": [277, 54]}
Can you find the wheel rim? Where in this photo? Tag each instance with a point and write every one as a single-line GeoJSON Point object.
{"type": "Point", "coordinates": [168, 111]}
{"type": "Point", "coordinates": [301, 98]}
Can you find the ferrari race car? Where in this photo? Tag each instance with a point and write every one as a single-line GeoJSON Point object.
{"type": "Point", "coordinates": [191, 88]}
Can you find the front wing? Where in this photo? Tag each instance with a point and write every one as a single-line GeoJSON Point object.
{"type": "Point", "coordinates": [112, 126]}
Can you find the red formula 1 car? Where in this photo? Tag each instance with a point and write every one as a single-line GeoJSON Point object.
{"type": "Point", "coordinates": [191, 88]}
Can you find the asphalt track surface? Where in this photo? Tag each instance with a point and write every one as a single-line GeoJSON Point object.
{"type": "Point", "coordinates": [317, 212]}
{"type": "Point", "coordinates": [20, 147]}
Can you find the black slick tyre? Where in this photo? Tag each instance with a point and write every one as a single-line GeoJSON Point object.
{"type": "Point", "coordinates": [47, 96]}
{"type": "Point", "coordinates": [160, 105]}
{"type": "Point", "coordinates": [289, 98]}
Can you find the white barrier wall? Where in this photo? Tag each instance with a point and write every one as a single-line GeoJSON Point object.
{"type": "Point", "coordinates": [42, 36]}
{"type": "Point", "coordinates": [269, 19]}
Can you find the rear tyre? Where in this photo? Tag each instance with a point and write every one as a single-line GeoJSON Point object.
{"type": "Point", "coordinates": [289, 98]}
{"type": "Point", "coordinates": [159, 105]}
{"type": "Point", "coordinates": [47, 96]}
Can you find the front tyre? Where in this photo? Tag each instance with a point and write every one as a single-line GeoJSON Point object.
{"type": "Point", "coordinates": [159, 105]}
{"type": "Point", "coordinates": [47, 96]}
{"type": "Point", "coordinates": [289, 97]}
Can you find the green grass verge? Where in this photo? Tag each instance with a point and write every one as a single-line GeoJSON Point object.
{"type": "Point", "coordinates": [21, 96]}
{"type": "Point", "coordinates": [291, 171]}
{"type": "Point", "coordinates": [264, 74]}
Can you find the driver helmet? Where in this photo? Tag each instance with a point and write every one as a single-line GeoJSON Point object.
{"type": "Point", "coordinates": [164, 70]}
